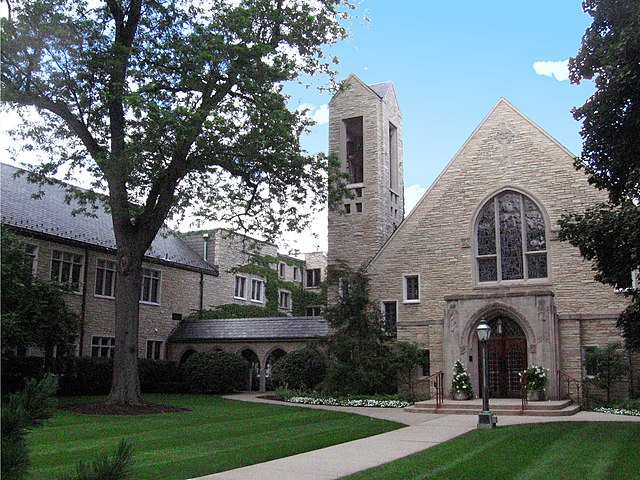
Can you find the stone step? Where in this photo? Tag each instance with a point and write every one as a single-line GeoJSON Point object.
{"type": "Point", "coordinates": [498, 407]}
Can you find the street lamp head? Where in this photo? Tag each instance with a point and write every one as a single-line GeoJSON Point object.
{"type": "Point", "coordinates": [484, 331]}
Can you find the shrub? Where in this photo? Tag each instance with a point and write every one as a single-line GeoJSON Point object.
{"type": "Point", "coordinates": [84, 375]}
{"type": "Point", "coordinates": [461, 379]}
{"type": "Point", "coordinates": [17, 370]}
{"type": "Point", "coordinates": [161, 376]}
{"type": "Point", "coordinates": [114, 467]}
{"type": "Point", "coordinates": [535, 378]}
{"type": "Point", "coordinates": [216, 372]}
{"type": "Point", "coordinates": [608, 365]}
{"type": "Point", "coordinates": [301, 369]}
{"type": "Point", "coordinates": [24, 410]}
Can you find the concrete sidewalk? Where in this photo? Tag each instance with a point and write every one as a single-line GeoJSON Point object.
{"type": "Point", "coordinates": [424, 430]}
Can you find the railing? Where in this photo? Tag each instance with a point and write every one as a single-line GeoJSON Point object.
{"type": "Point", "coordinates": [581, 389]}
{"type": "Point", "coordinates": [437, 381]}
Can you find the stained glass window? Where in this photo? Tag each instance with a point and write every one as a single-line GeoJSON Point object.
{"type": "Point", "coordinates": [510, 239]}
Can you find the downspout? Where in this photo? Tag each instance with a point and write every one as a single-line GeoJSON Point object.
{"type": "Point", "coordinates": [83, 308]}
{"type": "Point", "coordinates": [201, 295]}
{"type": "Point", "coordinates": [205, 255]}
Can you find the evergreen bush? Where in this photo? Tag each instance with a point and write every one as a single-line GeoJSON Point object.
{"type": "Point", "coordinates": [216, 372]}
{"type": "Point", "coordinates": [161, 376]}
{"type": "Point", "coordinates": [301, 370]}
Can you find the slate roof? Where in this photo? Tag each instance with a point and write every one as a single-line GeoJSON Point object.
{"type": "Point", "coordinates": [50, 217]}
{"type": "Point", "coordinates": [381, 89]}
{"type": "Point", "coordinates": [281, 328]}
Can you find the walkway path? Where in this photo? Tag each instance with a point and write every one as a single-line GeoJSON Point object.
{"type": "Point", "coordinates": [424, 430]}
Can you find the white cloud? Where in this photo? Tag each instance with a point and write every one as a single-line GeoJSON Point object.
{"type": "Point", "coordinates": [321, 116]}
{"type": "Point", "coordinates": [412, 194]}
{"type": "Point", "coordinates": [560, 69]}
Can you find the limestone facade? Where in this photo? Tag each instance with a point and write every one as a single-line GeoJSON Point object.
{"type": "Point", "coordinates": [431, 265]}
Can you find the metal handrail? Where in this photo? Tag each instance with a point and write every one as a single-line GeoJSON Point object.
{"type": "Point", "coordinates": [437, 380]}
{"type": "Point", "coordinates": [580, 387]}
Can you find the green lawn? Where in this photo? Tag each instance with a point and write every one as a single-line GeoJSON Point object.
{"type": "Point", "coordinates": [567, 450]}
{"type": "Point", "coordinates": [216, 435]}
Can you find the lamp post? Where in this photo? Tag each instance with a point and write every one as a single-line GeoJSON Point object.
{"type": "Point", "coordinates": [485, 419]}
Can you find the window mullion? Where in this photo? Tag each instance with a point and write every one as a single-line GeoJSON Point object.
{"type": "Point", "coordinates": [496, 213]}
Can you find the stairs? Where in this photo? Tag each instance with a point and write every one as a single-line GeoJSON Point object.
{"type": "Point", "coordinates": [498, 406]}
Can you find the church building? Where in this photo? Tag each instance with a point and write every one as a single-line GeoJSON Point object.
{"type": "Point", "coordinates": [482, 244]}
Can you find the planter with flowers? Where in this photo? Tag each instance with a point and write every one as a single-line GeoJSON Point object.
{"type": "Point", "coordinates": [535, 380]}
{"type": "Point", "coordinates": [461, 388]}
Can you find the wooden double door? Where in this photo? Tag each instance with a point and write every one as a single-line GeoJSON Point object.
{"type": "Point", "coordinates": [507, 357]}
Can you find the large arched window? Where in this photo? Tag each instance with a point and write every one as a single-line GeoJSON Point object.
{"type": "Point", "coordinates": [510, 239]}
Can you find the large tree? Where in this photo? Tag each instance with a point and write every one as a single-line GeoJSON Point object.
{"type": "Point", "coordinates": [609, 234]}
{"type": "Point", "coordinates": [169, 104]}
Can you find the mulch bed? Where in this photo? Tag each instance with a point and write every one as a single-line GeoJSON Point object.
{"type": "Point", "coordinates": [102, 408]}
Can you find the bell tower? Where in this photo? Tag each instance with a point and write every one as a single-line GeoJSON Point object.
{"type": "Point", "coordinates": [365, 133]}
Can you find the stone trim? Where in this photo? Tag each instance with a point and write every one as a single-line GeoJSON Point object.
{"type": "Point", "coordinates": [498, 294]}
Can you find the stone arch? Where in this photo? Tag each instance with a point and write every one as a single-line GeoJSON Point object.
{"type": "Point", "coordinates": [493, 310]}
{"type": "Point", "coordinates": [185, 355]}
{"type": "Point", "coordinates": [254, 378]}
{"type": "Point", "coordinates": [272, 356]}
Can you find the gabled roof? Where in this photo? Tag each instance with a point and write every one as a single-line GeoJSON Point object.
{"type": "Point", "coordinates": [247, 329]}
{"type": "Point", "coordinates": [381, 89]}
{"type": "Point", "coordinates": [501, 102]}
{"type": "Point", "coordinates": [50, 216]}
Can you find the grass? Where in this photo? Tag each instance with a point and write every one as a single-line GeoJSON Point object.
{"type": "Point", "coordinates": [217, 435]}
{"type": "Point", "coordinates": [566, 450]}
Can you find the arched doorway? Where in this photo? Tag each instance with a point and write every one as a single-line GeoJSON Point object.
{"type": "Point", "coordinates": [253, 381]}
{"type": "Point", "coordinates": [186, 355]}
{"type": "Point", "coordinates": [275, 355]}
{"type": "Point", "coordinates": [507, 357]}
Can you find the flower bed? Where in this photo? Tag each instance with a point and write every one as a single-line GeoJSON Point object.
{"type": "Point", "coordinates": [349, 402]}
{"type": "Point", "coordinates": [617, 411]}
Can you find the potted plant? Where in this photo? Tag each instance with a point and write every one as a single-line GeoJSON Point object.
{"type": "Point", "coordinates": [535, 380]}
{"type": "Point", "coordinates": [461, 388]}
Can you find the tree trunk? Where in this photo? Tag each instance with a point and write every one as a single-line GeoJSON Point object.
{"type": "Point", "coordinates": [125, 388]}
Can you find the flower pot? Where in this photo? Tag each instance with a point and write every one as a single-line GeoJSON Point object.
{"type": "Point", "coordinates": [535, 395]}
{"type": "Point", "coordinates": [460, 395]}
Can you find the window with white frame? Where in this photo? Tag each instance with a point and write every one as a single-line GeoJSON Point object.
{"type": "Point", "coordinates": [67, 268]}
{"type": "Point", "coordinates": [313, 311]}
{"type": "Point", "coordinates": [284, 300]}
{"type": "Point", "coordinates": [296, 273]}
{"type": "Point", "coordinates": [102, 346]}
{"type": "Point", "coordinates": [150, 288]}
{"type": "Point", "coordinates": [105, 278]}
{"type": "Point", "coordinates": [411, 288]}
{"type": "Point", "coordinates": [155, 349]}
{"type": "Point", "coordinates": [282, 269]}
{"type": "Point", "coordinates": [257, 287]}
{"type": "Point", "coordinates": [32, 258]}
{"type": "Point", "coordinates": [240, 290]}
{"type": "Point", "coordinates": [313, 277]}
{"type": "Point", "coordinates": [510, 240]}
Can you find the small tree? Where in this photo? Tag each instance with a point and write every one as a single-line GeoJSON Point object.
{"type": "Point", "coordinates": [407, 357]}
{"type": "Point", "coordinates": [608, 366]}
{"type": "Point", "coordinates": [360, 360]}
{"type": "Point", "coordinates": [299, 370]}
{"type": "Point", "coordinates": [34, 313]}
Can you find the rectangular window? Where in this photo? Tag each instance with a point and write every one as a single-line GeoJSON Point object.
{"type": "Point", "coordinates": [393, 157]}
{"type": "Point", "coordinates": [411, 288]}
{"type": "Point", "coordinates": [589, 364]}
{"type": "Point", "coordinates": [240, 288]}
{"type": "Point", "coordinates": [256, 290]}
{"type": "Point", "coordinates": [102, 346]}
{"type": "Point", "coordinates": [313, 277]}
{"type": "Point", "coordinates": [150, 289]}
{"type": "Point", "coordinates": [296, 273]}
{"type": "Point", "coordinates": [313, 311]}
{"type": "Point", "coordinates": [425, 364]}
{"type": "Point", "coordinates": [105, 278]}
{"type": "Point", "coordinates": [282, 270]}
{"type": "Point", "coordinates": [389, 318]}
{"type": "Point", "coordinates": [67, 268]}
{"type": "Point", "coordinates": [354, 148]}
{"type": "Point", "coordinates": [285, 300]}
{"type": "Point", "coordinates": [155, 349]}
{"type": "Point", "coordinates": [32, 258]}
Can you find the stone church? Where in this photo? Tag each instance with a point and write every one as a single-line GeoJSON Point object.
{"type": "Point", "coordinates": [482, 244]}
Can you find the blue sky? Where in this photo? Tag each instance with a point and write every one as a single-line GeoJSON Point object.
{"type": "Point", "coordinates": [450, 62]}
